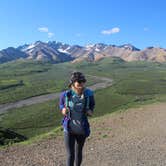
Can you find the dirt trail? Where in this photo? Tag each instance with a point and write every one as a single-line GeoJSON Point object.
{"type": "Point", "coordinates": [105, 82]}
{"type": "Point", "coordinates": [136, 137]}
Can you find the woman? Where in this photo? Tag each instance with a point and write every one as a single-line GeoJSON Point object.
{"type": "Point", "coordinates": [76, 104]}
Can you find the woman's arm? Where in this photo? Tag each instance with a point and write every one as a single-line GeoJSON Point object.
{"type": "Point", "coordinates": [91, 105]}
{"type": "Point", "coordinates": [92, 102]}
{"type": "Point", "coordinates": [62, 106]}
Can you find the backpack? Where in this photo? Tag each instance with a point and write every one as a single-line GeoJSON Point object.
{"type": "Point", "coordinates": [77, 115]}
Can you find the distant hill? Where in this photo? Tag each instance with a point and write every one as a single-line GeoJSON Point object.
{"type": "Point", "coordinates": [10, 54]}
{"type": "Point", "coordinates": [56, 52]}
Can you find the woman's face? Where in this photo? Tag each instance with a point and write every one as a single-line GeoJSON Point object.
{"type": "Point", "coordinates": [78, 85]}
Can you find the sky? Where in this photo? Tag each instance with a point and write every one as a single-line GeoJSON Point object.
{"type": "Point", "coordinates": [137, 22]}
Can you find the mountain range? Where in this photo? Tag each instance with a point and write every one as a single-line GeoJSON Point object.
{"type": "Point", "coordinates": [56, 52]}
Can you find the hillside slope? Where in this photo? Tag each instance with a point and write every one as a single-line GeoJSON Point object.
{"type": "Point", "coordinates": [133, 137]}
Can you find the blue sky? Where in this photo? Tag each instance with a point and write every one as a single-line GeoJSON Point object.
{"type": "Point", "coordinates": [138, 22]}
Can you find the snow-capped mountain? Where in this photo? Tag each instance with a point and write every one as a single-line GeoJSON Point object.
{"type": "Point", "coordinates": [49, 52]}
{"type": "Point", "coordinates": [56, 52]}
{"type": "Point", "coordinates": [10, 54]}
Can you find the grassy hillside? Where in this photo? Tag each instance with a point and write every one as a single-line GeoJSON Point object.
{"type": "Point", "coordinates": [24, 79]}
{"type": "Point", "coordinates": [135, 83]}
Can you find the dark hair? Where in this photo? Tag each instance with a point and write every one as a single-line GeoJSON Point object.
{"type": "Point", "coordinates": [76, 77]}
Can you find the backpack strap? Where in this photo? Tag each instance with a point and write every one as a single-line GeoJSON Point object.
{"type": "Point", "coordinates": [67, 97]}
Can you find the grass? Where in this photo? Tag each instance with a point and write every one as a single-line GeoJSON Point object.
{"type": "Point", "coordinates": [32, 120]}
{"type": "Point", "coordinates": [21, 80]}
{"type": "Point", "coordinates": [135, 84]}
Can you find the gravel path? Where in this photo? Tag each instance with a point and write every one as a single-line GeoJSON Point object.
{"type": "Point", "coordinates": [105, 82]}
{"type": "Point", "coordinates": [136, 137]}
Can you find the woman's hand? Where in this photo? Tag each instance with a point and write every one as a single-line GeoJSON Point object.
{"type": "Point", "coordinates": [64, 111]}
{"type": "Point", "coordinates": [89, 112]}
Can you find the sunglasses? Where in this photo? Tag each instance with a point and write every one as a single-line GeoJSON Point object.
{"type": "Point", "coordinates": [81, 81]}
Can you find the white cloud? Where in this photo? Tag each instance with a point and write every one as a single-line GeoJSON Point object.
{"type": "Point", "coordinates": [43, 29]}
{"type": "Point", "coordinates": [50, 34]}
{"type": "Point", "coordinates": [146, 29]}
{"type": "Point", "coordinates": [111, 31]}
